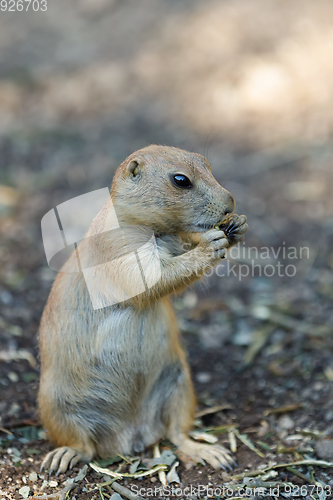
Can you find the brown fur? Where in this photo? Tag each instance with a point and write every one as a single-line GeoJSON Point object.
{"type": "Point", "coordinates": [115, 379]}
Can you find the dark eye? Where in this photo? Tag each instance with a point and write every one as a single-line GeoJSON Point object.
{"type": "Point", "coordinates": [181, 181]}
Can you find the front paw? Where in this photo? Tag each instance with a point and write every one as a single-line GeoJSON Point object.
{"type": "Point", "coordinates": [213, 245]}
{"type": "Point", "coordinates": [234, 228]}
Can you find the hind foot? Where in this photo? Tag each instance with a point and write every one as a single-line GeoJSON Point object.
{"type": "Point", "coordinates": [62, 459]}
{"type": "Point", "coordinates": [213, 454]}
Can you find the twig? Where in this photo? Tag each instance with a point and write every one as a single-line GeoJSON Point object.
{"type": "Point", "coordinates": [125, 492]}
{"type": "Point", "coordinates": [66, 490]}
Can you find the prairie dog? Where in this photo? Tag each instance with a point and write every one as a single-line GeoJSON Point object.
{"type": "Point", "coordinates": [115, 379]}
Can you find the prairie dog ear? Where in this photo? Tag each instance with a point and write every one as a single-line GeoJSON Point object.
{"type": "Point", "coordinates": [134, 168]}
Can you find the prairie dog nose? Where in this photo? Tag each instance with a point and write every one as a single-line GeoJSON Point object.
{"type": "Point", "coordinates": [229, 203]}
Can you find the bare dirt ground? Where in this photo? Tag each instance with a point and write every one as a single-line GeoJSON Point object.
{"type": "Point", "coordinates": [248, 83]}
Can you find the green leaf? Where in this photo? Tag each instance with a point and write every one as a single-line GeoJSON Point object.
{"type": "Point", "coordinates": [109, 461]}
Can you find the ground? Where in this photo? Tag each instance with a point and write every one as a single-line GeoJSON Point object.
{"type": "Point", "coordinates": [249, 84]}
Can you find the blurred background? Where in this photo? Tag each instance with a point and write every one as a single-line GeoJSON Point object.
{"type": "Point", "coordinates": [249, 84]}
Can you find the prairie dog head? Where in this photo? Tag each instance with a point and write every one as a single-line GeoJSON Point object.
{"type": "Point", "coordinates": [170, 191]}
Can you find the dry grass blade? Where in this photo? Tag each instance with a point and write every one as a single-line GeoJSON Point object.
{"type": "Point", "coordinates": [236, 498]}
{"type": "Point", "coordinates": [299, 474]}
{"type": "Point", "coordinates": [161, 474]}
{"type": "Point", "coordinates": [128, 461]}
{"type": "Point", "coordinates": [15, 355]}
{"type": "Point", "coordinates": [284, 409]}
{"type": "Point", "coordinates": [249, 473]}
{"type": "Point", "coordinates": [6, 431]}
{"type": "Point", "coordinates": [308, 461]}
{"type": "Point", "coordinates": [259, 340]}
{"type": "Point", "coordinates": [245, 440]}
{"type": "Point", "coordinates": [45, 497]}
{"type": "Point", "coordinates": [203, 436]}
{"type": "Point", "coordinates": [260, 472]}
{"type": "Point", "coordinates": [220, 429]}
{"type": "Point", "coordinates": [264, 446]}
{"type": "Point", "coordinates": [264, 313]}
{"type": "Point", "coordinates": [232, 440]}
{"type": "Point", "coordinates": [117, 475]}
{"type": "Point", "coordinates": [104, 470]}
{"type": "Point", "coordinates": [312, 432]}
{"type": "Point", "coordinates": [213, 409]}
{"type": "Point", "coordinates": [147, 472]}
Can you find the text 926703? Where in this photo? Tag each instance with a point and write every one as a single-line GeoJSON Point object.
{"type": "Point", "coordinates": [23, 5]}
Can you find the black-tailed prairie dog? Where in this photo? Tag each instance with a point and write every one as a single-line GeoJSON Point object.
{"type": "Point", "coordinates": [114, 379]}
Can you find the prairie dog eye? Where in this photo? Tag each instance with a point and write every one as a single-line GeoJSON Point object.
{"type": "Point", "coordinates": [181, 181]}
